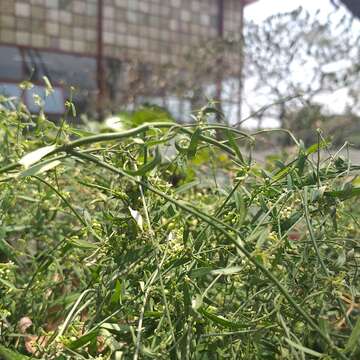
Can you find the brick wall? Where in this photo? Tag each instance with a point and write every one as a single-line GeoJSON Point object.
{"type": "Point", "coordinates": [160, 30]}
{"type": "Point", "coordinates": [57, 24]}
{"type": "Point", "coordinates": [139, 37]}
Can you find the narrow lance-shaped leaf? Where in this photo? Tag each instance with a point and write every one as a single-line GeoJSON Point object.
{"type": "Point", "coordinates": [354, 338]}
{"type": "Point", "coordinates": [148, 166]}
{"type": "Point", "coordinates": [343, 194]}
{"type": "Point", "coordinates": [240, 207]}
{"type": "Point", "coordinates": [83, 340]}
{"type": "Point", "coordinates": [200, 272]}
{"type": "Point", "coordinates": [83, 244]}
{"type": "Point", "coordinates": [227, 271]}
{"type": "Point", "coordinates": [8, 354]}
{"type": "Point", "coordinates": [304, 349]}
{"type": "Point", "coordinates": [234, 146]}
{"type": "Point", "coordinates": [35, 156]}
{"type": "Point", "coordinates": [137, 217]}
{"type": "Point", "coordinates": [219, 320]}
{"type": "Point", "coordinates": [316, 147]}
{"type": "Point", "coordinates": [48, 87]}
{"type": "Point", "coordinates": [39, 168]}
{"type": "Point", "coordinates": [180, 149]}
{"type": "Point", "coordinates": [191, 152]}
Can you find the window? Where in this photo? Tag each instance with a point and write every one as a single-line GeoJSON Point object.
{"type": "Point", "coordinates": [52, 104]}
{"type": "Point", "coordinates": [71, 70]}
{"type": "Point", "coordinates": [11, 92]}
{"type": "Point", "coordinates": [64, 71]}
{"type": "Point", "coordinates": [10, 63]}
{"type": "Point", "coordinates": [34, 65]}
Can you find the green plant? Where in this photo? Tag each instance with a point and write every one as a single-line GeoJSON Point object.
{"type": "Point", "coordinates": [104, 257]}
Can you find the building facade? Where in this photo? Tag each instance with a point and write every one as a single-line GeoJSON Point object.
{"type": "Point", "coordinates": [97, 45]}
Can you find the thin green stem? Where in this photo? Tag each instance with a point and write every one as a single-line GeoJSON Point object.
{"type": "Point", "coordinates": [221, 227]}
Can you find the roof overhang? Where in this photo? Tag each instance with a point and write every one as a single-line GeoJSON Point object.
{"type": "Point", "coordinates": [248, 2]}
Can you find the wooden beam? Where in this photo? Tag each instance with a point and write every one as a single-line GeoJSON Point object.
{"type": "Point", "coordinates": [353, 6]}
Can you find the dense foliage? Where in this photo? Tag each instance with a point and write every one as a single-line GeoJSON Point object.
{"type": "Point", "coordinates": [168, 241]}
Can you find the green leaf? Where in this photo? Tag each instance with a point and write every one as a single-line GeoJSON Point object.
{"type": "Point", "coordinates": [39, 168]}
{"type": "Point", "coordinates": [300, 164]}
{"type": "Point", "coordinates": [35, 156]}
{"type": "Point", "coordinates": [304, 349]}
{"type": "Point", "coordinates": [116, 328]}
{"type": "Point", "coordinates": [6, 249]}
{"type": "Point", "coordinates": [318, 193]}
{"type": "Point", "coordinates": [316, 147]}
{"type": "Point", "coordinates": [282, 173]}
{"type": "Point", "coordinates": [48, 87]}
{"type": "Point", "coordinates": [149, 353]}
{"type": "Point", "coordinates": [343, 194]}
{"type": "Point", "coordinates": [83, 244]}
{"type": "Point", "coordinates": [200, 272]}
{"type": "Point", "coordinates": [148, 166]}
{"type": "Point", "coordinates": [227, 271]}
{"type": "Point", "coordinates": [186, 187]}
{"type": "Point", "coordinates": [138, 141]}
{"type": "Point", "coordinates": [116, 296]}
{"type": "Point", "coordinates": [240, 207]}
{"type": "Point", "coordinates": [354, 338]}
{"type": "Point", "coordinates": [83, 340]}
{"type": "Point", "coordinates": [191, 151]}
{"type": "Point", "coordinates": [234, 146]}
{"type": "Point", "coordinates": [220, 320]}
{"type": "Point", "coordinates": [163, 140]}
{"type": "Point", "coordinates": [260, 235]}
{"type": "Point", "coordinates": [153, 314]}
{"type": "Point", "coordinates": [341, 260]}
{"type": "Point", "coordinates": [81, 132]}
{"type": "Point", "coordinates": [7, 354]}
{"type": "Point", "coordinates": [356, 182]}
{"type": "Point", "coordinates": [180, 149]}
{"type": "Point", "coordinates": [186, 298]}
{"type": "Point", "coordinates": [137, 217]}
{"type": "Point", "coordinates": [8, 284]}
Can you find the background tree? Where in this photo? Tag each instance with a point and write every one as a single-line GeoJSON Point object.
{"type": "Point", "coordinates": [192, 80]}
{"type": "Point", "coordinates": [302, 56]}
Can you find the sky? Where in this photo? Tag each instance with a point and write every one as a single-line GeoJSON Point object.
{"type": "Point", "coordinates": [262, 9]}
